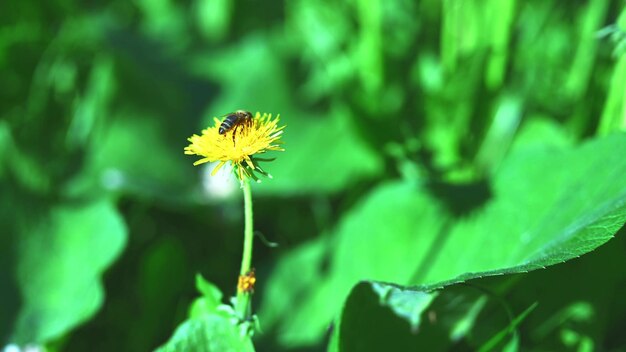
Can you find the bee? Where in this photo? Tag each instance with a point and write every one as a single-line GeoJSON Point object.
{"type": "Point", "coordinates": [235, 120]}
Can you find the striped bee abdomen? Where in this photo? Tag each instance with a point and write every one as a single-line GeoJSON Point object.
{"type": "Point", "coordinates": [228, 123]}
{"type": "Point", "coordinates": [234, 119]}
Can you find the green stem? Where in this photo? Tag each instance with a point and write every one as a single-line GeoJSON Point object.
{"type": "Point", "coordinates": [243, 298]}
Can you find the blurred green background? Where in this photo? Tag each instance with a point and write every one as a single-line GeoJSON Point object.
{"type": "Point", "coordinates": [104, 222]}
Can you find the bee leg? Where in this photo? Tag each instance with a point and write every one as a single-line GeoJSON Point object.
{"type": "Point", "coordinates": [234, 133]}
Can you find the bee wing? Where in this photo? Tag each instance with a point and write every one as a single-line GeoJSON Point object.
{"type": "Point", "coordinates": [225, 116]}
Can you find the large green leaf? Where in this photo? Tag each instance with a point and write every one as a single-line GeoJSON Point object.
{"type": "Point", "coordinates": [566, 313]}
{"type": "Point", "coordinates": [61, 258]}
{"type": "Point", "coordinates": [375, 240]}
{"type": "Point", "coordinates": [374, 318]}
{"type": "Point", "coordinates": [548, 205]}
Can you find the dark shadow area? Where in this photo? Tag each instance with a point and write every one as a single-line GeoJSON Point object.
{"type": "Point", "coordinates": [9, 290]}
{"type": "Point", "coordinates": [461, 199]}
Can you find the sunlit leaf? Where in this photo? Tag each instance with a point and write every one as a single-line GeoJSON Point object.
{"type": "Point", "coordinates": [548, 205]}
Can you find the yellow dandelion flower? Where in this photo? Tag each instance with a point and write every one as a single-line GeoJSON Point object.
{"type": "Point", "coordinates": [238, 143]}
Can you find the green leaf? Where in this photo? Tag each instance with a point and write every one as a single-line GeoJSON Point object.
{"type": "Point", "coordinates": [548, 205]}
{"type": "Point", "coordinates": [210, 300]}
{"type": "Point", "coordinates": [375, 239]}
{"type": "Point", "coordinates": [211, 327]}
{"type": "Point", "coordinates": [210, 333]}
{"type": "Point", "coordinates": [583, 309]}
{"type": "Point", "coordinates": [61, 258]}
{"type": "Point", "coordinates": [406, 304]}
{"type": "Point", "coordinates": [586, 305]}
